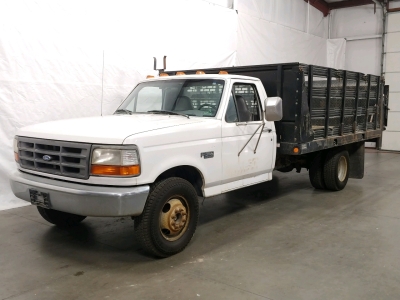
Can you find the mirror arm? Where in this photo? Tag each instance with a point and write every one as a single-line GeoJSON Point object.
{"type": "Point", "coordinates": [262, 124]}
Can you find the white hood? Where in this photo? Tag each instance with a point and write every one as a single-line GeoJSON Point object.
{"type": "Point", "coordinates": [103, 130]}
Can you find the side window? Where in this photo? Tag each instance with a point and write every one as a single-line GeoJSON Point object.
{"type": "Point", "coordinates": [247, 102]}
{"type": "Point", "coordinates": [231, 115]}
{"type": "Point", "coordinates": [149, 98]}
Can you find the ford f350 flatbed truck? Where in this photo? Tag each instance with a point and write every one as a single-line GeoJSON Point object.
{"type": "Point", "coordinates": [198, 133]}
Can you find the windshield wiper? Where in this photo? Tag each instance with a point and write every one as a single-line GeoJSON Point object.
{"type": "Point", "coordinates": [168, 113]}
{"type": "Point", "coordinates": [123, 111]}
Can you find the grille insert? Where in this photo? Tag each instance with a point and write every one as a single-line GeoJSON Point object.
{"type": "Point", "coordinates": [54, 157]}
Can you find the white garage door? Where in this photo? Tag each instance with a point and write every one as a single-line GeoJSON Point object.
{"type": "Point", "coordinates": [391, 137]}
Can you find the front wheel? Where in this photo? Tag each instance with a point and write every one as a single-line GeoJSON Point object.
{"type": "Point", "coordinates": [169, 218]}
{"type": "Point", "coordinates": [59, 218]}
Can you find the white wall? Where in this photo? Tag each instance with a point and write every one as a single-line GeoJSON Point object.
{"type": "Point", "coordinates": [51, 52]}
{"type": "Point", "coordinates": [391, 137]}
{"type": "Point", "coordinates": [285, 31]}
{"type": "Point", "coordinates": [51, 56]}
{"type": "Point", "coordinates": [293, 14]}
{"type": "Point", "coordinates": [394, 4]}
{"type": "Point", "coordinates": [362, 54]}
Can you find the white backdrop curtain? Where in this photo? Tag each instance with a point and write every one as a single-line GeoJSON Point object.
{"type": "Point", "coordinates": [60, 59]}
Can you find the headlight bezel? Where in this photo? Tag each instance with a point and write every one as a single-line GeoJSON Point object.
{"type": "Point", "coordinates": [16, 149]}
{"type": "Point", "coordinates": [120, 166]}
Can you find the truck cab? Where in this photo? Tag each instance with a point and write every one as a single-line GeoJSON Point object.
{"type": "Point", "coordinates": [227, 140]}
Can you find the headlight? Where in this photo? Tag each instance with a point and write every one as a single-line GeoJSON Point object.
{"type": "Point", "coordinates": [16, 156]}
{"type": "Point", "coordinates": [115, 162]}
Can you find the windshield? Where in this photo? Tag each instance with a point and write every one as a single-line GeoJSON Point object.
{"type": "Point", "coordinates": [189, 97]}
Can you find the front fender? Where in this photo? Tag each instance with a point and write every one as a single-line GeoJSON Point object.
{"type": "Point", "coordinates": [157, 161]}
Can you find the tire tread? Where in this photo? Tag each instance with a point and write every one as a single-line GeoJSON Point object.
{"type": "Point", "coordinates": [145, 233]}
{"type": "Point", "coordinates": [316, 172]}
{"type": "Point", "coordinates": [330, 170]}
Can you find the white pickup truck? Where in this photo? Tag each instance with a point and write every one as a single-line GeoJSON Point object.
{"type": "Point", "coordinates": [175, 138]}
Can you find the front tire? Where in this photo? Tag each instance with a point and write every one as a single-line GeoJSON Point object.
{"type": "Point", "coordinates": [59, 218]}
{"type": "Point", "coordinates": [336, 170]}
{"type": "Point", "coordinates": [169, 218]}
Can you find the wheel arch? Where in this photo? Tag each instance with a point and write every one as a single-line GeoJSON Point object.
{"type": "Point", "coordinates": [189, 173]}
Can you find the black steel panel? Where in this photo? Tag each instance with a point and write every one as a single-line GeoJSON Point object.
{"type": "Point", "coordinates": [344, 91]}
{"type": "Point", "coordinates": [386, 105]}
{"type": "Point", "coordinates": [285, 132]}
{"type": "Point", "coordinates": [367, 102]}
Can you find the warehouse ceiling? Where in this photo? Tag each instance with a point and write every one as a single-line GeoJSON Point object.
{"type": "Point", "coordinates": [325, 6]}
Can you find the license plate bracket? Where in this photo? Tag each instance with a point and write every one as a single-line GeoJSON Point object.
{"type": "Point", "coordinates": [39, 198]}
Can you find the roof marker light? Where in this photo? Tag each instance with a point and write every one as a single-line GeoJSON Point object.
{"type": "Point", "coordinates": [149, 76]}
{"type": "Point", "coordinates": [180, 73]}
{"type": "Point", "coordinates": [163, 74]}
{"type": "Point", "coordinates": [200, 72]}
{"type": "Point", "coordinates": [223, 73]}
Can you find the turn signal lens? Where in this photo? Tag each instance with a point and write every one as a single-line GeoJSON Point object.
{"type": "Point", "coordinates": [200, 73]}
{"type": "Point", "coordinates": [16, 156]}
{"type": "Point", "coordinates": [223, 73]}
{"type": "Point", "coordinates": [296, 150]}
{"type": "Point", "coordinates": [115, 170]}
{"type": "Point", "coordinates": [180, 73]}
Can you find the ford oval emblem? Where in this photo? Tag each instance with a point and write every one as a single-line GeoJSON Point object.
{"type": "Point", "coordinates": [47, 157]}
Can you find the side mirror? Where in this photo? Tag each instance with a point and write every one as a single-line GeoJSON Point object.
{"type": "Point", "coordinates": [273, 108]}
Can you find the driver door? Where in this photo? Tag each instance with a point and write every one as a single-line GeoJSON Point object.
{"type": "Point", "coordinates": [247, 139]}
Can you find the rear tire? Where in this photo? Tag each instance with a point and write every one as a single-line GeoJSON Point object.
{"type": "Point", "coordinates": [59, 218]}
{"type": "Point", "coordinates": [316, 171]}
{"type": "Point", "coordinates": [169, 218]}
{"type": "Point", "coordinates": [336, 170]}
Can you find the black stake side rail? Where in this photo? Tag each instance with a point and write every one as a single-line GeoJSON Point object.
{"type": "Point", "coordinates": [322, 107]}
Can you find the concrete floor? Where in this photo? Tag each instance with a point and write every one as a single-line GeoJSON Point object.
{"type": "Point", "coordinates": [277, 240]}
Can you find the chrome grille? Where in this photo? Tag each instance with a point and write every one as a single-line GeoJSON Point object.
{"type": "Point", "coordinates": [54, 157]}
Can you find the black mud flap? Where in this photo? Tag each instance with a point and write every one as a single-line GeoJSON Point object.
{"type": "Point", "coordinates": [357, 158]}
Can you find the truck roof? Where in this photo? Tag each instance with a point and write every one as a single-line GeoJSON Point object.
{"type": "Point", "coordinates": [213, 76]}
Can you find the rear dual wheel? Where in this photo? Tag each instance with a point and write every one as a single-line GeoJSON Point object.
{"type": "Point", "coordinates": [336, 170]}
{"type": "Point", "coordinates": [316, 172]}
{"type": "Point", "coordinates": [330, 172]}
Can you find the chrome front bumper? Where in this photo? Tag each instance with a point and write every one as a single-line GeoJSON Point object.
{"type": "Point", "coordinates": [80, 199]}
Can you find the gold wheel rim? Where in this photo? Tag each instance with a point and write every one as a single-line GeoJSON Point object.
{"type": "Point", "coordinates": [342, 168]}
{"type": "Point", "coordinates": [174, 218]}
